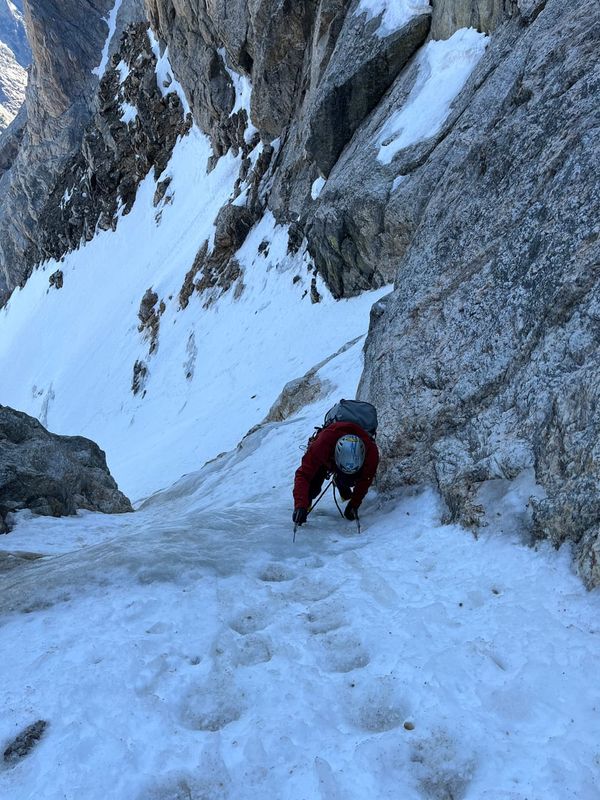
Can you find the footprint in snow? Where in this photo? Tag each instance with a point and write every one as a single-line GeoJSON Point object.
{"type": "Point", "coordinates": [212, 705]}
{"type": "Point", "coordinates": [342, 652]}
{"type": "Point", "coordinates": [377, 705]}
{"type": "Point", "coordinates": [313, 562]}
{"type": "Point", "coordinates": [233, 650]}
{"type": "Point", "coordinates": [276, 573]}
{"type": "Point", "coordinates": [307, 590]}
{"type": "Point", "coordinates": [325, 618]}
{"type": "Point", "coordinates": [210, 779]}
{"type": "Point", "coordinates": [253, 650]}
{"type": "Point", "coordinates": [249, 621]}
{"type": "Point", "coordinates": [442, 769]}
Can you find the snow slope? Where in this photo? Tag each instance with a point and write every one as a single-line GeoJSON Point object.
{"type": "Point", "coordinates": [191, 650]}
{"type": "Point", "coordinates": [216, 371]}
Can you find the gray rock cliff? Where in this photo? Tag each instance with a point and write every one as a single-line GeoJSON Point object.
{"type": "Point", "coordinates": [66, 39]}
{"type": "Point", "coordinates": [15, 56]}
{"type": "Point", "coordinates": [484, 360]}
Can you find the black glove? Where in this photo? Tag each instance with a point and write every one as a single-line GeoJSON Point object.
{"type": "Point", "coordinates": [299, 516]}
{"type": "Point", "coordinates": [351, 512]}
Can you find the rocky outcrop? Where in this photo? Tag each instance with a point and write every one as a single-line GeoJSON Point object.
{"type": "Point", "coordinates": [484, 360]}
{"type": "Point", "coordinates": [484, 15]}
{"type": "Point", "coordinates": [132, 132]}
{"type": "Point", "coordinates": [263, 40]}
{"type": "Point", "coordinates": [361, 68]}
{"type": "Point", "coordinates": [15, 56]}
{"type": "Point", "coordinates": [24, 743]}
{"type": "Point", "coordinates": [49, 474]}
{"type": "Point", "coordinates": [12, 31]}
{"type": "Point", "coordinates": [66, 39]}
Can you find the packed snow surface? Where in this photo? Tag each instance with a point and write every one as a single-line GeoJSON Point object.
{"type": "Point", "coordinates": [393, 14]}
{"type": "Point", "coordinates": [443, 69]}
{"type": "Point", "coordinates": [191, 650]}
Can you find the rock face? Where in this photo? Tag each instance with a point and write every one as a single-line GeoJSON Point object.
{"type": "Point", "coordinates": [133, 131]}
{"type": "Point", "coordinates": [66, 40]}
{"type": "Point", "coordinates": [483, 15]}
{"type": "Point", "coordinates": [484, 360]}
{"type": "Point", "coordinates": [15, 56]}
{"type": "Point", "coordinates": [52, 475]}
{"type": "Point", "coordinates": [12, 31]}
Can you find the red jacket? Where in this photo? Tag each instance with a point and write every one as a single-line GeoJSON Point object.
{"type": "Point", "coordinates": [320, 456]}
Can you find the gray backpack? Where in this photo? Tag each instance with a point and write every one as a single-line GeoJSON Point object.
{"type": "Point", "coordinates": [357, 411]}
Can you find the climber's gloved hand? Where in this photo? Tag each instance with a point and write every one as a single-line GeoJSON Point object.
{"type": "Point", "coordinates": [299, 516]}
{"type": "Point", "coordinates": [350, 512]}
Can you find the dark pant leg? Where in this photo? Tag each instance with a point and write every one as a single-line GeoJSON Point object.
{"type": "Point", "coordinates": [314, 490]}
{"type": "Point", "coordinates": [344, 484]}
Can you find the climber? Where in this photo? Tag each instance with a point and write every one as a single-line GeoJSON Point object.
{"type": "Point", "coordinates": [342, 450]}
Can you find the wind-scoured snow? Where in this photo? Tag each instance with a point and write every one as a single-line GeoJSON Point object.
{"type": "Point", "coordinates": [394, 14]}
{"type": "Point", "coordinates": [443, 70]}
{"type": "Point", "coordinates": [192, 650]}
{"type": "Point", "coordinates": [111, 21]}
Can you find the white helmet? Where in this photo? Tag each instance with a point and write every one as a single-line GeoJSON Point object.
{"type": "Point", "coordinates": [349, 453]}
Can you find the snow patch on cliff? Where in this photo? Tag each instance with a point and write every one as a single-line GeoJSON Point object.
{"type": "Point", "coordinates": [394, 14]}
{"type": "Point", "coordinates": [165, 77]}
{"type": "Point", "coordinates": [444, 67]}
{"type": "Point", "coordinates": [111, 21]}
